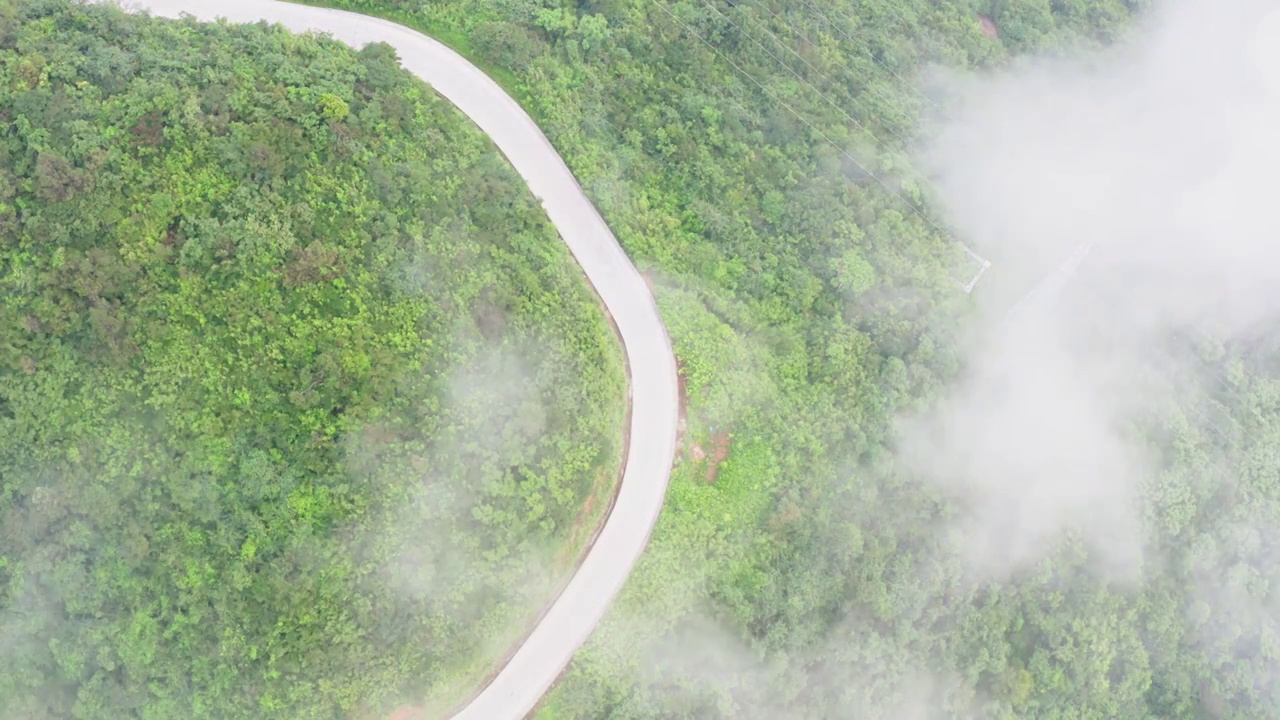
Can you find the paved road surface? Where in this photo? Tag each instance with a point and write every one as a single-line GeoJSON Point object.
{"type": "Point", "coordinates": [566, 625]}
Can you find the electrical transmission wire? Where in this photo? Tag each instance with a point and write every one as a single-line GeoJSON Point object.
{"type": "Point", "coordinates": [1169, 368]}
{"type": "Point", "coordinates": [874, 89]}
{"type": "Point", "coordinates": [809, 4]}
{"type": "Point", "coordinates": [892, 102]}
{"type": "Point", "coordinates": [1051, 285]}
{"type": "Point", "coordinates": [968, 287]}
{"type": "Point", "coordinates": [924, 181]}
{"type": "Point", "coordinates": [1178, 377]}
{"type": "Point", "coordinates": [1229, 388]}
{"type": "Point", "coordinates": [797, 75]}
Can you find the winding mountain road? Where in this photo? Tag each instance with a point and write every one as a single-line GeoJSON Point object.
{"type": "Point", "coordinates": [568, 622]}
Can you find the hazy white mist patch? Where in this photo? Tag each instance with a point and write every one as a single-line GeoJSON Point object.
{"type": "Point", "coordinates": [1031, 444]}
{"type": "Point", "coordinates": [421, 548]}
{"type": "Point", "coordinates": [702, 662]}
{"type": "Point", "coordinates": [497, 400]}
{"type": "Point", "coordinates": [1162, 153]}
{"type": "Point", "coordinates": [1232, 612]}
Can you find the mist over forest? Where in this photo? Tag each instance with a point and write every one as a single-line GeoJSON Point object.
{"type": "Point", "coordinates": [1097, 473]}
{"type": "Point", "coordinates": [1155, 154]}
{"type": "Point", "coordinates": [305, 410]}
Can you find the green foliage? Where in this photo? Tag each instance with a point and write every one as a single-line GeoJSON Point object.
{"type": "Point", "coordinates": [808, 304]}
{"type": "Point", "coordinates": [191, 530]}
{"type": "Point", "coordinates": [298, 387]}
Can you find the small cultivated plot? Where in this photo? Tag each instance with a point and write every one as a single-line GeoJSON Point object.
{"type": "Point", "coordinates": [305, 409]}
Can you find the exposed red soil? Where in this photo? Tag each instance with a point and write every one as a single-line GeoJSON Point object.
{"type": "Point", "coordinates": [720, 443]}
{"type": "Point", "coordinates": [989, 27]}
{"type": "Point", "coordinates": [720, 440]}
{"type": "Point", "coordinates": [408, 712]}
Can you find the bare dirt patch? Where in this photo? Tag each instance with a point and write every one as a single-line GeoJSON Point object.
{"type": "Point", "coordinates": [720, 444]}
{"type": "Point", "coordinates": [408, 712]}
{"type": "Point", "coordinates": [989, 27]}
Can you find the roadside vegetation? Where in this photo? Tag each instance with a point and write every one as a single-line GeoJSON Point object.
{"type": "Point", "coordinates": [731, 145]}
{"type": "Point", "coordinates": [257, 288]}
{"type": "Point", "coordinates": [301, 396]}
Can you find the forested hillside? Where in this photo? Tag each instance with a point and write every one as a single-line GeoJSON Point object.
{"type": "Point", "coordinates": [304, 406]}
{"type": "Point", "coordinates": [798, 570]}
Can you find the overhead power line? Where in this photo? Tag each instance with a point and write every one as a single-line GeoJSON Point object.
{"type": "Point", "coordinates": [799, 77]}
{"type": "Point", "coordinates": [809, 4]}
{"type": "Point", "coordinates": [983, 262]}
{"type": "Point", "coordinates": [877, 90]}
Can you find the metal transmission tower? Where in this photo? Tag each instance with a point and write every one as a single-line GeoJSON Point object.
{"type": "Point", "coordinates": [983, 265]}
{"type": "Point", "coordinates": [1048, 288]}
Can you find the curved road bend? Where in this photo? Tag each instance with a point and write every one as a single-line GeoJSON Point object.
{"type": "Point", "coordinates": [569, 621]}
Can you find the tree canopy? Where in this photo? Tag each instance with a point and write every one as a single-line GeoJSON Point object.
{"type": "Point", "coordinates": [208, 511]}
{"type": "Point", "coordinates": [797, 571]}
{"type": "Point", "coordinates": [304, 406]}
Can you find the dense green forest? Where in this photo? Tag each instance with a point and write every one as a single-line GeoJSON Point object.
{"type": "Point", "coordinates": [187, 534]}
{"type": "Point", "coordinates": [304, 406]}
{"type": "Point", "coordinates": [797, 570]}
